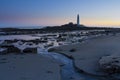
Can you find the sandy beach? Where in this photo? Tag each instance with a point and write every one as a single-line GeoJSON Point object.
{"type": "Point", "coordinates": [86, 55]}
{"type": "Point", "coordinates": [77, 58]}
{"type": "Point", "coordinates": [28, 67]}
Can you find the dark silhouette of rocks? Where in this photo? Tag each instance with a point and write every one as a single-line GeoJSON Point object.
{"type": "Point", "coordinates": [30, 50]}
{"type": "Point", "coordinates": [63, 28]}
{"type": "Point", "coordinates": [10, 49]}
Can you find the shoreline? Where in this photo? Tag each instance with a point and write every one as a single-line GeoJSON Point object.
{"type": "Point", "coordinates": [64, 50]}
{"type": "Point", "coordinates": [69, 51]}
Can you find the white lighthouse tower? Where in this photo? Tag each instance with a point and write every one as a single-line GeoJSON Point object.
{"type": "Point", "coordinates": [78, 20]}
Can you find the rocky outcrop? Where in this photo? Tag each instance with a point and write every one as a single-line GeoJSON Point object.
{"type": "Point", "coordinates": [10, 49]}
{"type": "Point", "coordinates": [30, 50]}
{"type": "Point", "coordinates": [110, 64]}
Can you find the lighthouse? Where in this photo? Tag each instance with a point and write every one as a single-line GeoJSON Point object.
{"type": "Point", "coordinates": [78, 20]}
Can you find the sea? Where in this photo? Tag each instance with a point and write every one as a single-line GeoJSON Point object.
{"type": "Point", "coordinates": [26, 27]}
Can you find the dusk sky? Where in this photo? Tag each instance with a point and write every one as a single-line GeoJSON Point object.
{"type": "Point", "coordinates": [58, 12]}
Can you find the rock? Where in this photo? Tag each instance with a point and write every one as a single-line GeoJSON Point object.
{"type": "Point", "coordinates": [54, 49]}
{"type": "Point", "coordinates": [10, 49]}
{"type": "Point", "coordinates": [72, 50]}
{"type": "Point", "coordinates": [30, 50]}
{"type": "Point", "coordinates": [51, 50]}
{"type": "Point", "coordinates": [3, 51]}
{"type": "Point", "coordinates": [110, 64]}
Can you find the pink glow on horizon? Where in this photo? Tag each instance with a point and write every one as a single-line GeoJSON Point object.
{"type": "Point", "coordinates": [53, 21]}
